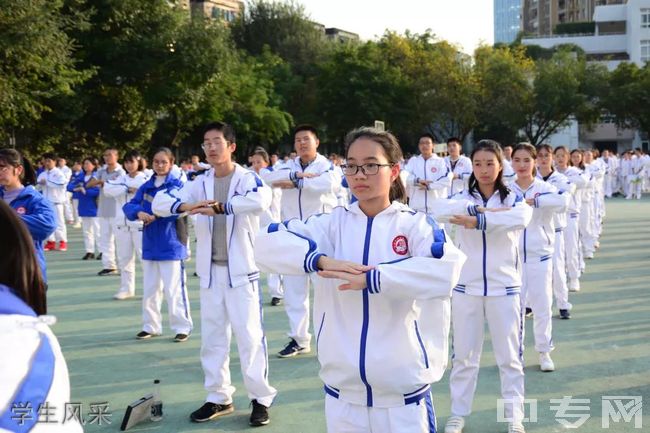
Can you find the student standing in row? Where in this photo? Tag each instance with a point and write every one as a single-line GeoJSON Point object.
{"type": "Point", "coordinates": [87, 205]}
{"type": "Point", "coordinates": [227, 201]}
{"type": "Point", "coordinates": [163, 252]}
{"type": "Point", "coordinates": [491, 219]}
{"type": "Point", "coordinates": [379, 264]}
{"type": "Point", "coordinates": [53, 184]}
{"type": "Point", "coordinates": [458, 164]}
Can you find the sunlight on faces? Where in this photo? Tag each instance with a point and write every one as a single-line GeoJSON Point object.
{"type": "Point", "coordinates": [217, 149]}
{"type": "Point", "coordinates": [162, 164]}
{"type": "Point", "coordinates": [561, 158]}
{"type": "Point", "coordinates": [305, 143]}
{"type": "Point", "coordinates": [425, 146]}
{"type": "Point", "coordinates": [258, 163]}
{"type": "Point", "coordinates": [576, 158]}
{"type": "Point", "coordinates": [453, 149]}
{"type": "Point", "coordinates": [523, 163]}
{"type": "Point", "coordinates": [544, 159]}
{"type": "Point", "coordinates": [486, 167]}
{"type": "Point", "coordinates": [370, 187]}
{"type": "Point", "coordinates": [10, 175]}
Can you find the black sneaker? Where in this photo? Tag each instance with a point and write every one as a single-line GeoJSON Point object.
{"type": "Point", "coordinates": [292, 349]}
{"type": "Point", "coordinates": [565, 314]}
{"type": "Point", "coordinates": [211, 411]}
{"type": "Point", "coordinates": [88, 256]}
{"type": "Point", "coordinates": [529, 312]}
{"type": "Point", "coordinates": [276, 301]}
{"type": "Point", "coordinates": [259, 415]}
{"type": "Point", "coordinates": [143, 335]}
{"type": "Point", "coordinates": [104, 272]}
{"type": "Point", "coordinates": [99, 256]}
{"type": "Point", "coordinates": [179, 338]}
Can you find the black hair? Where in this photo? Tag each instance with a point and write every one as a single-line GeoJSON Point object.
{"type": "Point", "coordinates": [495, 148]}
{"type": "Point", "coordinates": [427, 135]}
{"type": "Point", "coordinates": [227, 130]}
{"type": "Point", "coordinates": [305, 127]}
{"type": "Point", "coordinates": [16, 159]}
{"type": "Point", "coordinates": [528, 148]}
{"type": "Point", "coordinates": [581, 166]}
{"type": "Point", "coordinates": [134, 155]}
{"type": "Point", "coordinates": [19, 268]}
{"type": "Point", "coordinates": [456, 139]}
{"type": "Point", "coordinates": [50, 155]}
{"type": "Point", "coordinates": [263, 153]}
{"type": "Point", "coordinates": [167, 151]}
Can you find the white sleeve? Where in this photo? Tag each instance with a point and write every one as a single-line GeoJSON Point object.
{"type": "Point", "coordinates": [277, 175]}
{"type": "Point", "coordinates": [166, 203]}
{"type": "Point", "coordinates": [442, 177]}
{"type": "Point", "coordinates": [515, 218]}
{"type": "Point", "coordinates": [326, 182]}
{"type": "Point", "coordinates": [553, 201]}
{"type": "Point", "coordinates": [447, 208]}
{"type": "Point", "coordinates": [115, 188]}
{"type": "Point", "coordinates": [255, 200]}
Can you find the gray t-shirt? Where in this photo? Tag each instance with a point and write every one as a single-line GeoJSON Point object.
{"type": "Point", "coordinates": [219, 228]}
{"type": "Point", "coordinates": [12, 195]}
{"type": "Point", "coordinates": [106, 206]}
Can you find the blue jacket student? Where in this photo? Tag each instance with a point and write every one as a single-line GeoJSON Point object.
{"type": "Point", "coordinates": [164, 238]}
{"type": "Point", "coordinates": [39, 216]}
{"type": "Point", "coordinates": [87, 206]}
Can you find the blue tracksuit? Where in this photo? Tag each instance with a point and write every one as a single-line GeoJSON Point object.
{"type": "Point", "coordinates": [39, 216]}
{"type": "Point", "coordinates": [160, 239]}
{"type": "Point", "coordinates": [87, 206]}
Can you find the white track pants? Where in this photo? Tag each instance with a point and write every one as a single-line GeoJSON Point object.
{"type": "Point", "coordinates": [343, 417]}
{"type": "Point", "coordinates": [75, 211]}
{"type": "Point", "coordinates": [129, 248]}
{"type": "Point", "coordinates": [572, 246]}
{"type": "Point", "coordinates": [107, 242]}
{"type": "Point", "coordinates": [67, 208]}
{"type": "Point", "coordinates": [560, 287]}
{"type": "Point", "coordinates": [634, 186]}
{"type": "Point", "coordinates": [296, 304]}
{"type": "Point", "coordinates": [275, 281]}
{"type": "Point", "coordinates": [585, 220]}
{"type": "Point", "coordinates": [166, 277]}
{"type": "Point", "coordinates": [61, 232]}
{"type": "Point", "coordinates": [504, 318]}
{"type": "Point", "coordinates": [90, 228]}
{"type": "Point", "coordinates": [226, 310]}
{"type": "Point", "coordinates": [537, 292]}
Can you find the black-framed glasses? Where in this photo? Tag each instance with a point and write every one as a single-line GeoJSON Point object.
{"type": "Point", "coordinates": [367, 169]}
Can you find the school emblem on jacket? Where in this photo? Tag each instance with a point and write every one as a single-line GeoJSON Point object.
{"type": "Point", "coordinates": [434, 169]}
{"type": "Point", "coordinates": [400, 245]}
{"type": "Point", "coordinates": [20, 210]}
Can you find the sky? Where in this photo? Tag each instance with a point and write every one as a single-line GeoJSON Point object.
{"type": "Point", "coordinates": [463, 22]}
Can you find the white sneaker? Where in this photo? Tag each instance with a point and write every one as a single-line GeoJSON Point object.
{"type": "Point", "coordinates": [120, 296]}
{"type": "Point", "coordinates": [516, 427]}
{"type": "Point", "coordinates": [545, 362]}
{"type": "Point", "coordinates": [574, 285]}
{"type": "Point", "coordinates": [455, 424]}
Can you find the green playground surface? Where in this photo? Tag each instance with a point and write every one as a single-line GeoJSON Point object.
{"type": "Point", "coordinates": [603, 351]}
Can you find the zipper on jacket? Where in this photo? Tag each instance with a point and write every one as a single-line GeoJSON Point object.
{"type": "Point", "coordinates": [485, 285]}
{"type": "Point", "coordinates": [364, 327]}
{"type": "Point", "coordinates": [426, 191]}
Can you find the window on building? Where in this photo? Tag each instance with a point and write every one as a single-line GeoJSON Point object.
{"type": "Point", "coordinates": [216, 12]}
{"type": "Point", "coordinates": [645, 50]}
{"type": "Point", "coordinates": [645, 18]}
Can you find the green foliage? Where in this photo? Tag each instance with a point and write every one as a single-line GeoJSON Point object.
{"type": "Point", "coordinates": [628, 96]}
{"type": "Point", "coordinates": [587, 27]}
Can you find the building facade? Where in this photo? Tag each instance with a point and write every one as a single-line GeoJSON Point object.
{"type": "Point", "coordinates": [541, 17]}
{"type": "Point", "coordinates": [226, 10]}
{"type": "Point", "coordinates": [507, 20]}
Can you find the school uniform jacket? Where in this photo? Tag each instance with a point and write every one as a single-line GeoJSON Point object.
{"type": "Point", "coordinates": [311, 195]}
{"type": "Point", "coordinates": [39, 216]}
{"type": "Point", "coordinates": [164, 238]}
{"type": "Point", "coordinates": [492, 248]}
{"type": "Point", "coordinates": [55, 185]}
{"type": "Point", "coordinates": [433, 169]}
{"type": "Point", "coordinates": [372, 347]}
{"type": "Point", "coordinates": [463, 169]}
{"type": "Point", "coordinates": [561, 182]}
{"type": "Point", "coordinates": [87, 206]}
{"type": "Point", "coordinates": [581, 181]}
{"type": "Point", "coordinates": [119, 190]}
{"type": "Point", "coordinates": [248, 198]}
{"type": "Point", "coordinates": [538, 239]}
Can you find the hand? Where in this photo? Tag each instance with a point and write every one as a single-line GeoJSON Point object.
{"type": "Point", "coordinates": [467, 221]}
{"type": "Point", "coordinates": [530, 201]}
{"type": "Point", "coordinates": [207, 211]}
{"type": "Point", "coordinates": [354, 281]}
{"type": "Point", "coordinates": [328, 264]}
{"type": "Point", "coordinates": [284, 184]}
{"type": "Point", "coordinates": [186, 207]}
{"type": "Point", "coordinates": [146, 218]}
{"type": "Point", "coordinates": [132, 190]}
{"type": "Point", "coordinates": [303, 175]}
{"type": "Point", "coordinates": [456, 176]}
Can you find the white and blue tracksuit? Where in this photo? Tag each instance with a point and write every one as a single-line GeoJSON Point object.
{"type": "Point", "coordinates": [461, 170]}
{"type": "Point", "coordinates": [53, 184]}
{"type": "Point", "coordinates": [311, 196]}
{"type": "Point", "coordinates": [433, 170]}
{"type": "Point", "coordinates": [379, 348]}
{"type": "Point", "coordinates": [488, 289]}
{"type": "Point", "coordinates": [274, 214]}
{"type": "Point", "coordinates": [39, 216]}
{"type": "Point", "coordinates": [34, 373]}
{"type": "Point", "coordinates": [163, 253]}
{"type": "Point", "coordinates": [87, 209]}
{"type": "Point", "coordinates": [537, 246]}
{"type": "Point", "coordinates": [572, 242]}
{"type": "Point", "coordinates": [230, 296]}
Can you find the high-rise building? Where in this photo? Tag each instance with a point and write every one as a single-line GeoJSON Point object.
{"type": "Point", "coordinates": [507, 20]}
{"type": "Point", "coordinates": [540, 17]}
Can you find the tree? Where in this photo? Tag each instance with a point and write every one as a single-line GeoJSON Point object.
{"type": "Point", "coordinates": [628, 98]}
{"type": "Point", "coordinates": [36, 63]}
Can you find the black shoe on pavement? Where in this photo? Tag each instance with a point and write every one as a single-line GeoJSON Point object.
{"type": "Point", "coordinates": [529, 312]}
{"type": "Point", "coordinates": [259, 415]}
{"type": "Point", "coordinates": [99, 256]}
{"type": "Point", "coordinates": [292, 349]}
{"type": "Point", "coordinates": [564, 314]}
{"type": "Point", "coordinates": [211, 411]}
{"type": "Point", "coordinates": [143, 335]}
{"type": "Point", "coordinates": [107, 272]}
{"type": "Point", "coordinates": [88, 256]}
{"type": "Point", "coordinates": [276, 301]}
{"type": "Point", "coordinates": [179, 338]}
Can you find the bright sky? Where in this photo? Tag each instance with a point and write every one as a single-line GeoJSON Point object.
{"type": "Point", "coordinates": [464, 22]}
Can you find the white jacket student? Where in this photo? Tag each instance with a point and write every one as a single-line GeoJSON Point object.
{"type": "Point", "coordinates": [312, 195]}
{"type": "Point", "coordinates": [494, 243]}
{"type": "Point", "coordinates": [247, 196]}
{"type": "Point", "coordinates": [53, 183]}
{"type": "Point", "coordinates": [119, 190]}
{"type": "Point", "coordinates": [434, 170]}
{"type": "Point", "coordinates": [372, 346]}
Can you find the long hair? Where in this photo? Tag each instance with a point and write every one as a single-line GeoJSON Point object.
{"type": "Point", "coordinates": [16, 159]}
{"type": "Point", "coordinates": [581, 166]}
{"type": "Point", "coordinates": [495, 148]}
{"type": "Point", "coordinates": [19, 269]}
{"type": "Point", "coordinates": [531, 150]}
{"type": "Point", "coordinates": [392, 150]}
{"type": "Point", "coordinates": [135, 156]}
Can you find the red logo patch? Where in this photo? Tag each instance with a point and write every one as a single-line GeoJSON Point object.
{"type": "Point", "coordinates": [400, 245]}
{"type": "Point", "coordinates": [21, 210]}
{"type": "Point", "coordinates": [433, 169]}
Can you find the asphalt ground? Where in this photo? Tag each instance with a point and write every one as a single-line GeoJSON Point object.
{"type": "Point", "coordinates": [602, 354]}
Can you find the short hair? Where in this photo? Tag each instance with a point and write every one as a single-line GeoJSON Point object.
{"type": "Point", "coordinates": [305, 127]}
{"type": "Point", "coordinates": [135, 156]}
{"type": "Point", "coordinates": [454, 139]}
{"type": "Point", "coordinates": [260, 151]}
{"type": "Point", "coordinates": [50, 155]}
{"type": "Point", "coordinates": [427, 135]}
{"type": "Point", "coordinates": [227, 130]}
